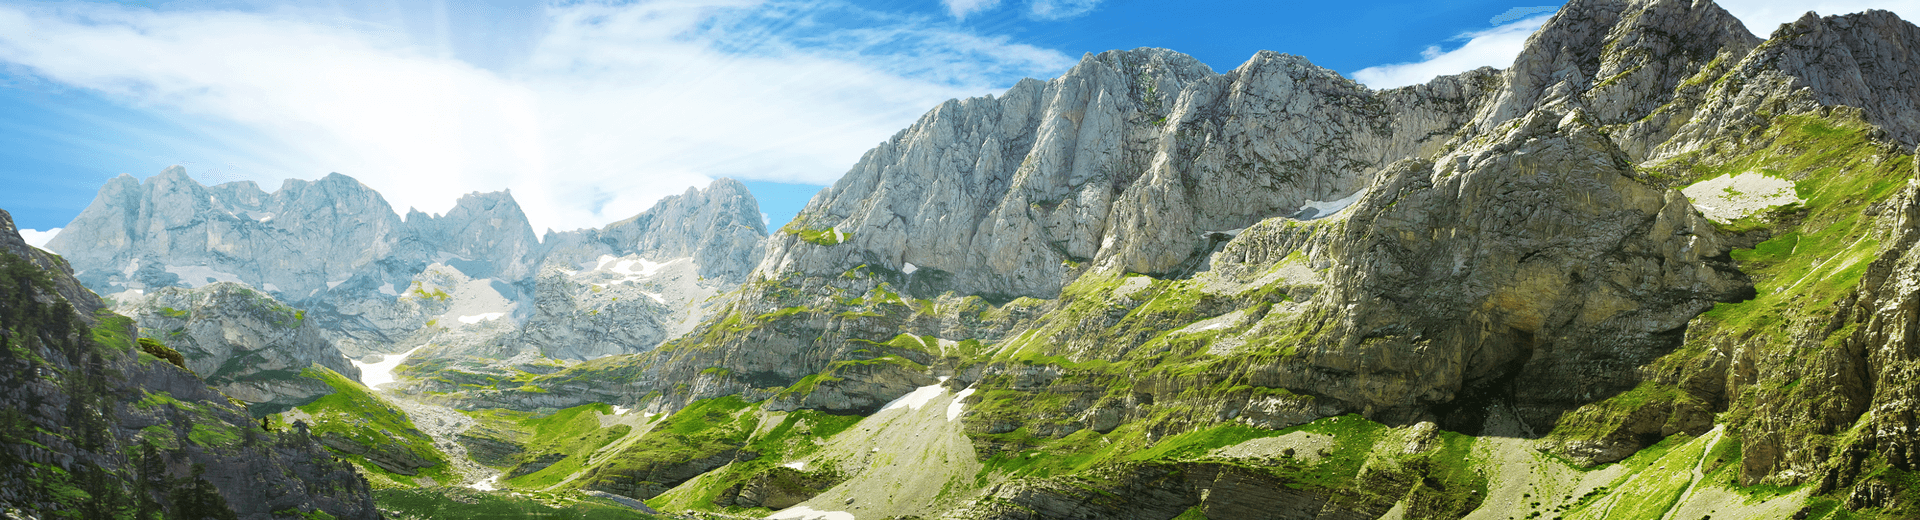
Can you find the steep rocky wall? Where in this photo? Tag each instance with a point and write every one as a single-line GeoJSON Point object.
{"type": "Point", "coordinates": [247, 344]}
{"type": "Point", "coordinates": [1128, 160]}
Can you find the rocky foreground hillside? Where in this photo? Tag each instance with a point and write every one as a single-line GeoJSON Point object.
{"type": "Point", "coordinates": [97, 427]}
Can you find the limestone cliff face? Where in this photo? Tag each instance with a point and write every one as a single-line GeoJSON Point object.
{"type": "Point", "coordinates": [245, 343]}
{"type": "Point", "coordinates": [1535, 266]}
{"type": "Point", "coordinates": [97, 429]}
{"type": "Point", "coordinates": [1128, 160]}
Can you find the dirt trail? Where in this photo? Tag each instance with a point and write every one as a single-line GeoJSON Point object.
{"type": "Point", "coordinates": [1699, 472]}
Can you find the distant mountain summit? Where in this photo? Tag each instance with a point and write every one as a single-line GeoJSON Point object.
{"type": "Point", "coordinates": [375, 282]}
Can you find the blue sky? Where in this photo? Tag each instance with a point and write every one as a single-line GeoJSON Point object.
{"type": "Point", "coordinates": [591, 111]}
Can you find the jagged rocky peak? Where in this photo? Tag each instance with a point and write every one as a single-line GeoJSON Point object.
{"type": "Point", "coordinates": [719, 227]}
{"type": "Point", "coordinates": [1619, 59]}
{"type": "Point", "coordinates": [1865, 60]}
{"type": "Point", "coordinates": [172, 231]}
{"type": "Point", "coordinates": [624, 288]}
{"type": "Point", "coordinates": [486, 234]}
{"type": "Point", "coordinates": [1132, 159]}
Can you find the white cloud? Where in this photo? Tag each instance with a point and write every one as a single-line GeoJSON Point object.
{"type": "Point", "coordinates": [612, 108]}
{"type": "Point", "coordinates": [1763, 16]}
{"type": "Point", "coordinates": [1521, 12]}
{"type": "Point", "coordinates": [1062, 9]}
{"type": "Point", "coordinates": [962, 8]}
{"type": "Point", "coordinates": [1494, 47]}
{"type": "Point", "coordinates": [37, 238]}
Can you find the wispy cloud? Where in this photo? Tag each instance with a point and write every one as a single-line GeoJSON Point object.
{"type": "Point", "coordinates": [37, 238]}
{"type": "Point", "coordinates": [614, 107]}
{"type": "Point", "coordinates": [1061, 9]}
{"type": "Point", "coordinates": [1521, 12]}
{"type": "Point", "coordinates": [962, 8]}
{"type": "Point", "coordinates": [1495, 47]}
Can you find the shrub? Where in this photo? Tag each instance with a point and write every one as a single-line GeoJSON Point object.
{"type": "Point", "coordinates": [162, 351]}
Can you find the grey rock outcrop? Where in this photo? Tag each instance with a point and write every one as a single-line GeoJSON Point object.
{"type": "Point", "coordinates": [1535, 261]}
{"type": "Point", "coordinates": [245, 343]}
{"type": "Point", "coordinates": [855, 388]}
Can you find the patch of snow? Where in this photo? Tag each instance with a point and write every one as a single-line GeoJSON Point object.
{"type": "Point", "coordinates": [656, 296]}
{"type": "Point", "coordinates": [485, 485]}
{"type": "Point", "coordinates": [808, 513]}
{"type": "Point", "coordinates": [909, 268]}
{"type": "Point", "coordinates": [647, 268]}
{"type": "Point", "coordinates": [797, 465]}
{"type": "Point", "coordinates": [270, 287]}
{"type": "Point", "coordinates": [621, 410]}
{"type": "Point", "coordinates": [1732, 197]}
{"type": "Point", "coordinates": [917, 398]}
{"type": "Point", "coordinates": [1314, 209]}
{"type": "Point", "coordinates": [481, 317]}
{"type": "Point", "coordinates": [387, 289]}
{"type": "Point", "coordinates": [1231, 319]}
{"type": "Point", "coordinates": [381, 372]}
{"type": "Point", "coordinates": [331, 285]}
{"type": "Point", "coordinates": [954, 408]}
{"type": "Point", "coordinates": [197, 276]}
{"type": "Point", "coordinates": [839, 236]}
{"type": "Point", "coordinates": [627, 270]}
